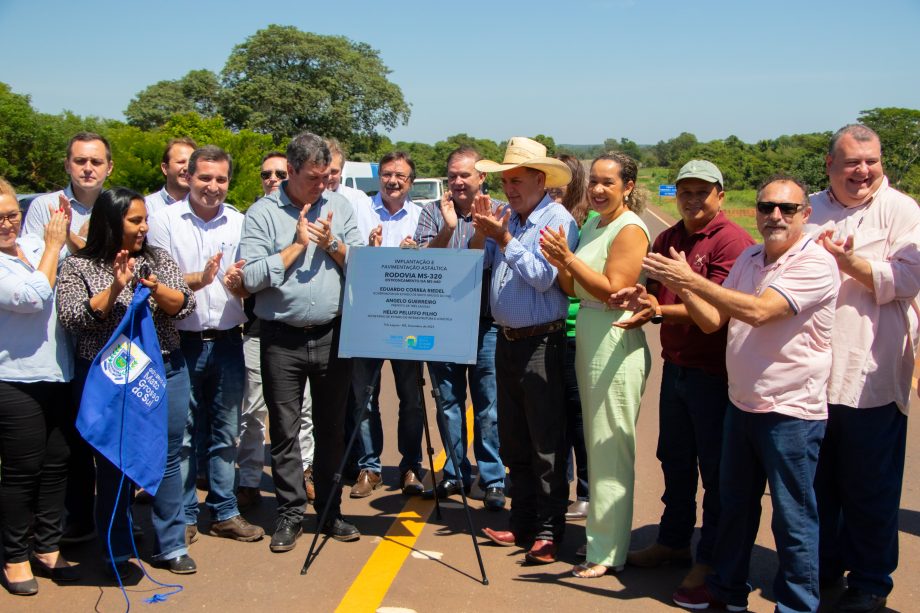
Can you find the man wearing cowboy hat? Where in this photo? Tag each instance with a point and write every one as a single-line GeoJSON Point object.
{"type": "Point", "coordinates": [530, 309]}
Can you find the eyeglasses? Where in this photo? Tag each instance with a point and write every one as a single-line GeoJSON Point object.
{"type": "Point", "coordinates": [267, 174]}
{"type": "Point", "coordinates": [395, 175]}
{"type": "Point", "coordinates": [788, 209]}
{"type": "Point", "coordinates": [12, 218]}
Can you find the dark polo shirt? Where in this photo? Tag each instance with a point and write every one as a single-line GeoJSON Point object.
{"type": "Point", "coordinates": [711, 252]}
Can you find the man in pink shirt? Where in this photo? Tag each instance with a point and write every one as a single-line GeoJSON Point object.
{"type": "Point", "coordinates": [778, 301]}
{"type": "Point", "coordinates": [873, 231]}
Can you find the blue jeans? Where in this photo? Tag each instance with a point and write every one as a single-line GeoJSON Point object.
{"type": "Point", "coordinates": [859, 493]}
{"type": "Point", "coordinates": [691, 411]}
{"type": "Point", "coordinates": [451, 380]}
{"type": "Point", "coordinates": [411, 413]}
{"type": "Point", "coordinates": [168, 517]}
{"type": "Point", "coordinates": [216, 372]}
{"type": "Point", "coordinates": [758, 448]}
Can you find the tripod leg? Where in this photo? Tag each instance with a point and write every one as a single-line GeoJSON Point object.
{"type": "Point", "coordinates": [337, 478]}
{"type": "Point", "coordinates": [455, 462]}
{"type": "Point", "coordinates": [421, 395]}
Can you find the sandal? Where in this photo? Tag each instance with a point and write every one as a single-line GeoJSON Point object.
{"type": "Point", "coordinates": [587, 570]}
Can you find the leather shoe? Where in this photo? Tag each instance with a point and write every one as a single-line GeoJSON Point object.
{"type": "Point", "coordinates": [366, 483]}
{"type": "Point", "coordinates": [29, 587]}
{"type": "Point", "coordinates": [286, 534]}
{"type": "Point", "coordinates": [542, 552]}
{"type": "Point", "coordinates": [248, 497]}
{"type": "Point", "coordinates": [505, 538]}
{"type": "Point", "coordinates": [449, 487]}
{"type": "Point", "coordinates": [657, 555]}
{"type": "Point", "coordinates": [858, 601]}
{"type": "Point", "coordinates": [578, 510]}
{"type": "Point", "coordinates": [410, 484]}
{"type": "Point", "coordinates": [180, 565]}
{"type": "Point", "coordinates": [308, 485]}
{"type": "Point", "coordinates": [341, 530]}
{"type": "Point", "coordinates": [58, 574]}
{"type": "Point", "coordinates": [494, 499]}
{"type": "Point", "coordinates": [238, 529]}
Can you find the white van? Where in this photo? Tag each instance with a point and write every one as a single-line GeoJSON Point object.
{"type": "Point", "coordinates": [427, 190]}
{"type": "Point", "coordinates": [362, 175]}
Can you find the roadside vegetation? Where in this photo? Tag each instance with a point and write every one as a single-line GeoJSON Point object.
{"type": "Point", "coordinates": [281, 81]}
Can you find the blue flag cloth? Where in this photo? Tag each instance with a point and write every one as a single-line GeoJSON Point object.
{"type": "Point", "coordinates": [123, 412]}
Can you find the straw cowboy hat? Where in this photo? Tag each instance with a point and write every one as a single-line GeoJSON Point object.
{"type": "Point", "coordinates": [529, 154]}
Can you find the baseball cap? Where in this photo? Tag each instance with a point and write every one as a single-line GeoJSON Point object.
{"type": "Point", "coordinates": [700, 169]}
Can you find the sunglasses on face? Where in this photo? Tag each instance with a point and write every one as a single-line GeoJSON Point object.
{"type": "Point", "coordinates": [267, 174]}
{"type": "Point", "coordinates": [788, 209]}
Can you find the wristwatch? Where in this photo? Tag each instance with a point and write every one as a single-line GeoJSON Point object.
{"type": "Point", "coordinates": [333, 247]}
{"type": "Point", "coordinates": [658, 317]}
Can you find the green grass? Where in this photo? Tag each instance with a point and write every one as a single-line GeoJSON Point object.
{"type": "Point", "coordinates": [738, 204]}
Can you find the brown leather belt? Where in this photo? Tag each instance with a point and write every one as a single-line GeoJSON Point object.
{"type": "Point", "coordinates": [516, 334]}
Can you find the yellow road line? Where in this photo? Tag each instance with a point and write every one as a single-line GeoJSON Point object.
{"type": "Point", "coordinates": [372, 583]}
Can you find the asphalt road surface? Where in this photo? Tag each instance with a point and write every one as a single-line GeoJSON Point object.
{"type": "Point", "coordinates": [408, 560]}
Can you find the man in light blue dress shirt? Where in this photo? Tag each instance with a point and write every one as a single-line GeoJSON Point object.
{"type": "Point", "coordinates": [88, 164]}
{"type": "Point", "coordinates": [530, 307]}
{"type": "Point", "coordinates": [389, 220]}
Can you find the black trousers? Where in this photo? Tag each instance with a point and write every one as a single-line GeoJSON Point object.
{"type": "Point", "coordinates": [575, 430]}
{"type": "Point", "coordinates": [33, 466]}
{"type": "Point", "coordinates": [81, 470]}
{"type": "Point", "coordinates": [532, 432]}
{"type": "Point", "coordinates": [288, 357]}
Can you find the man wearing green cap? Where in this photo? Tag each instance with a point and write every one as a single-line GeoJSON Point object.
{"type": "Point", "coordinates": [694, 386]}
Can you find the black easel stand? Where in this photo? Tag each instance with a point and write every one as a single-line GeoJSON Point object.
{"type": "Point", "coordinates": [337, 478]}
{"type": "Point", "coordinates": [452, 458]}
{"type": "Point", "coordinates": [420, 377]}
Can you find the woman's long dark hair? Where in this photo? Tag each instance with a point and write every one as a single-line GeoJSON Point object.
{"type": "Point", "coordinates": [107, 225]}
{"type": "Point", "coordinates": [575, 200]}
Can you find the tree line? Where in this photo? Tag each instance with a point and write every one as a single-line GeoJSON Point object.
{"type": "Point", "coordinates": [281, 81]}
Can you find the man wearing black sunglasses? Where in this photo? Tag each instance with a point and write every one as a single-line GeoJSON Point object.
{"type": "Point", "coordinates": [778, 303]}
{"type": "Point", "coordinates": [273, 171]}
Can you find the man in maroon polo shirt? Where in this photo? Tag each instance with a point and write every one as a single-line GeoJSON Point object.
{"type": "Point", "coordinates": [694, 385]}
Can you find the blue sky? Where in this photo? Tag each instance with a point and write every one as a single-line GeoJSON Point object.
{"type": "Point", "coordinates": [579, 71]}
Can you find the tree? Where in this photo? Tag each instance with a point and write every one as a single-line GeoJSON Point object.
{"type": "Point", "coordinates": [668, 152]}
{"type": "Point", "coordinates": [281, 81]}
{"type": "Point", "coordinates": [624, 145]}
{"type": "Point", "coordinates": [32, 144]}
{"type": "Point", "coordinates": [899, 131]}
{"type": "Point", "coordinates": [547, 141]}
{"type": "Point", "coordinates": [196, 92]}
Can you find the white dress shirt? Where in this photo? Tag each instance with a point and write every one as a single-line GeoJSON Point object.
{"type": "Point", "coordinates": [191, 241]}
{"type": "Point", "coordinates": [396, 227]}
